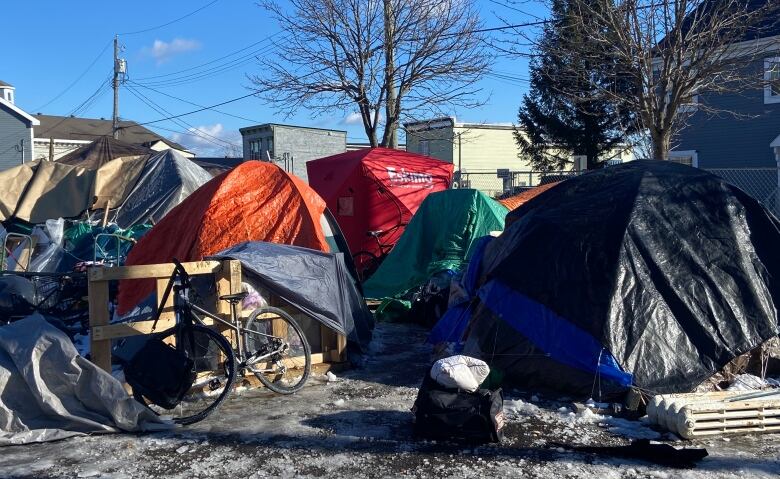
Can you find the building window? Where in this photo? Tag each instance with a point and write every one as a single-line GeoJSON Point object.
{"type": "Point", "coordinates": [425, 147]}
{"type": "Point", "coordinates": [687, 157]}
{"type": "Point", "coordinates": [270, 147]}
{"type": "Point", "coordinates": [689, 107]}
{"type": "Point", "coordinates": [772, 80]}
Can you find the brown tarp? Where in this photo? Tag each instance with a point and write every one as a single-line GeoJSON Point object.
{"type": "Point", "coordinates": [41, 190]}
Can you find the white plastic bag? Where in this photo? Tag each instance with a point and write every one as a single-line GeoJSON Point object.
{"type": "Point", "coordinates": [462, 372]}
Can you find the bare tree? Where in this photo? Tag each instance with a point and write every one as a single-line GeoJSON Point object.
{"type": "Point", "coordinates": [336, 56]}
{"type": "Point", "coordinates": [670, 51]}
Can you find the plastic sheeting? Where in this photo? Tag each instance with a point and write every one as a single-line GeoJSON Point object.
{"type": "Point", "coordinates": [648, 273]}
{"type": "Point", "coordinates": [440, 236]}
{"type": "Point", "coordinates": [49, 392]}
{"type": "Point", "coordinates": [316, 283]}
{"type": "Point", "coordinates": [165, 181]}
{"type": "Point", "coordinates": [255, 201]}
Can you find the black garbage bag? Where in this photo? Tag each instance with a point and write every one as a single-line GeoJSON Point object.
{"type": "Point", "coordinates": [160, 373]}
{"type": "Point", "coordinates": [430, 302]}
{"type": "Point", "coordinates": [451, 414]}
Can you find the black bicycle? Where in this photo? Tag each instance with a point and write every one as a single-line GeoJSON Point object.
{"type": "Point", "coordinates": [366, 262]}
{"type": "Point", "coordinates": [268, 344]}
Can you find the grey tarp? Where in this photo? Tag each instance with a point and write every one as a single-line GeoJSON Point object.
{"type": "Point", "coordinates": [49, 392]}
{"type": "Point", "coordinates": [166, 180]}
{"type": "Point", "coordinates": [316, 283]}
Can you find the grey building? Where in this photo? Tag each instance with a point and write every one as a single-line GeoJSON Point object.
{"type": "Point", "coordinates": [16, 130]}
{"type": "Point", "coordinates": [748, 136]}
{"type": "Point", "coordinates": [291, 146]}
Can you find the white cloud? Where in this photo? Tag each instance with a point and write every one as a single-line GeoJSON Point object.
{"type": "Point", "coordinates": [353, 118]}
{"type": "Point", "coordinates": [163, 51]}
{"type": "Point", "coordinates": [210, 140]}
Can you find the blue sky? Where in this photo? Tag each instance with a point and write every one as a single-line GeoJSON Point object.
{"type": "Point", "coordinates": [52, 43]}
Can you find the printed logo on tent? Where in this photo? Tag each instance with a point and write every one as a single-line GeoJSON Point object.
{"type": "Point", "coordinates": [409, 179]}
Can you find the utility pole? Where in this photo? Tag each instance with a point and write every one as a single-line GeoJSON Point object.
{"type": "Point", "coordinates": [118, 69]}
{"type": "Point", "coordinates": [391, 136]}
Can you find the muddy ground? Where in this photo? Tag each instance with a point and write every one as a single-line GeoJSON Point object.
{"type": "Point", "coordinates": [360, 426]}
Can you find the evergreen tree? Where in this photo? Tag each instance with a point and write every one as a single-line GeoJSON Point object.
{"type": "Point", "coordinates": [562, 115]}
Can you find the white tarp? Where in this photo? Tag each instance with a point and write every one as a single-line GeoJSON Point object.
{"type": "Point", "coordinates": [49, 392]}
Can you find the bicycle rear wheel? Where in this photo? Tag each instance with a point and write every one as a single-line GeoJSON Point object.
{"type": "Point", "coordinates": [277, 351]}
{"type": "Point", "coordinates": [366, 263]}
{"type": "Point", "coordinates": [215, 373]}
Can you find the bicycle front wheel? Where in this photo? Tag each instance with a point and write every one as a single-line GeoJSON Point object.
{"type": "Point", "coordinates": [277, 351]}
{"type": "Point", "coordinates": [214, 365]}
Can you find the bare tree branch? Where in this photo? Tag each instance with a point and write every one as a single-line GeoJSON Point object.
{"type": "Point", "coordinates": [333, 59]}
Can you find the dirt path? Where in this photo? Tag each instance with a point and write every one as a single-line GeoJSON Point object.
{"type": "Point", "coordinates": [359, 426]}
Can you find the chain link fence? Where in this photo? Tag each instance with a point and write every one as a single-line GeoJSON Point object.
{"type": "Point", "coordinates": [760, 183]}
{"type": "Point", "coordinates": [506, 183]}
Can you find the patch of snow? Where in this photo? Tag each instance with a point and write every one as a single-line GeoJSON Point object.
{"type": "Point", "coordinates": [520, 407]}
{"type": "Point", "coordinates": [331, 377]}
{"type": "Point", "coordinates": [749, 382]}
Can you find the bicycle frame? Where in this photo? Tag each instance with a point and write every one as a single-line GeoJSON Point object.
{"type": "Point", "coordinates": [236, 327]}
{"type": "Point", "coordinates": [179, 284]}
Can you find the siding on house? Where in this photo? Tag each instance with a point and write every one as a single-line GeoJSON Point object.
{"type": "Point", "coordinates": [723, 140]}
{"type": "Point", "coordinates": [14, 129]}
{"type": "Point", "coordinates": [476, 147]}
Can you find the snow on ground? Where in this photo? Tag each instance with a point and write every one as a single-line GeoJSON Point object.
{"type": "Point", "coordinates": [358, 424]}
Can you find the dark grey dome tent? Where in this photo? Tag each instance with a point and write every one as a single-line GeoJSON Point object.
{"type": "Point", "coordinates": [649, 274]}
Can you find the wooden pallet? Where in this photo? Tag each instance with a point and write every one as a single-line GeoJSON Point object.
{"type": "Point", "coordinates": [227, 276]}
{"type": "Point", "coordinates": [699, 415]}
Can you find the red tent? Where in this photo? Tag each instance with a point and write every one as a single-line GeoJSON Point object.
{"type": "Point", "coordinates": [375, 189]}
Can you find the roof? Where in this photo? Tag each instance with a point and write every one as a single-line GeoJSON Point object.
{"type": "Point", "coordinates": [217, 165]}
{"type": "Point", "coordinates": [766, 28]}
{"type": "Point", "coordinates": [101, 151]}
{"type": "Point", "coordinates": [18, 112]}
{"type": "Point", "coordinates": [2, 84]}
{"type": "Point", "coordinates": [73, 128]}
{"type": "Point", "coordinates": [272, 125]}
{"type": "Point", "coordinates": [451, 122]}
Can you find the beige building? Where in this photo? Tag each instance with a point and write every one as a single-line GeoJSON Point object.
{"type": "Point", "coordinates": [486, 154]}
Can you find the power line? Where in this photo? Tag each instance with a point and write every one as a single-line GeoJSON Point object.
{"type": "Point", "coordinates": [83, 106]}
{"type": "Point", "coordinates": [159, 109]}
{"type": "Point", "coordinates": [211, 61]}
{"type": "Point", "coordinates": [232, 100]}
{"type": "Point", "coordinates": [200, 75]}
{"type": "Point", "coordinates": [211, 107]}
{"type": "Point", "coordinates": [194, 104]}
{"type": "Point", "coordinates": [172, 21]}
{"type": "Point", "coordinates": [76, 80]}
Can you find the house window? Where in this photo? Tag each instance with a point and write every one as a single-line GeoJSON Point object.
{"type": "Point", "coordinates": [425, 147]}
{"type": "Point", "coordinates": [687, 157]}
{"type": "Point", "coordinates": [270, 147]}
{"type": "Point", "coordinates": [772, 80]}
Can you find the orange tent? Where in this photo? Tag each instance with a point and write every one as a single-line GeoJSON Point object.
{"type": "Point", "coordinates": [254, 201]}
{"type": "Point", "coordinates": [514, 202]}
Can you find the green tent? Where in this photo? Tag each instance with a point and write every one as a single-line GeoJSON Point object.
{"type": "Point", "coordinates": [440, 236]}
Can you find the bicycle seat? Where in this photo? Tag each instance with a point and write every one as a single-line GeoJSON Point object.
{"type": "Point", "coordinates": [233, 298]}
